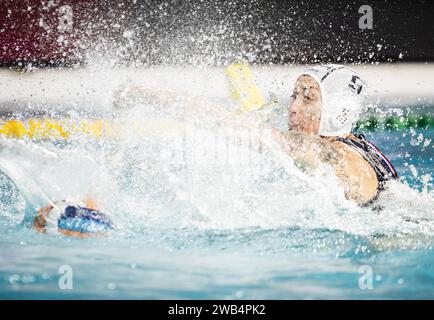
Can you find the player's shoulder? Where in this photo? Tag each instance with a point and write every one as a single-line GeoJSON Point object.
{"type": "Point", "coordinates": [356, 171]}
{"type": "Point", "coordinates": [349, 154]}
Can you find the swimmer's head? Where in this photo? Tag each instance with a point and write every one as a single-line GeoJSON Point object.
{"type": "Point", "coordinates": [80, 219]}
{"type": "Point", "coordinates": [83, 222]}
{"type": "Point", "coordinates": [327, 100]}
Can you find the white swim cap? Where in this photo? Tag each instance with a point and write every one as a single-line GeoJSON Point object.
{"type": "Point", "coordinates": [343, 95]}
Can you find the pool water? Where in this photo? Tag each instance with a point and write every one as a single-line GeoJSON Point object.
{"type": "Point", "coordinates": [228, 237]}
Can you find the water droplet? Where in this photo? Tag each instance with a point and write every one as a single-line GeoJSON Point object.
{"type": "Point", "coordinates": [14, 279]}
{"type": "Point", "coordinates": [413, 170]}
{"type": "Point", "coordinates": [28, 279]}
{"type": "Point", "coordinates": [45, 276]}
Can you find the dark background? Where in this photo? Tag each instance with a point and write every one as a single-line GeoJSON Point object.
{"type": "Point", "coordinates": [212, 32]}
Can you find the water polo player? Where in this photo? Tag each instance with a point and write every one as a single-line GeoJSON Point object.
{"type": "Point", "coordinates": [80, 219]}
{"type": "Point", "coordinates": [326, 104]}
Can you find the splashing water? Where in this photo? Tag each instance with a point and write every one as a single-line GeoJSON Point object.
{"type": "Point", "coordinates": [201, 213]}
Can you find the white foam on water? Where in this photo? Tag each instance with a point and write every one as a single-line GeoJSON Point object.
{"type": "Point", "coordinates": [188, 173]}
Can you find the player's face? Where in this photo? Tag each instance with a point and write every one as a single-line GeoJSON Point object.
{"type": "Point", "coordinates": [305, 106]}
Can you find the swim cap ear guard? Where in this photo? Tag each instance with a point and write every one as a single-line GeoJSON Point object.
{"type": "Point", "coordinates": [343, 96]}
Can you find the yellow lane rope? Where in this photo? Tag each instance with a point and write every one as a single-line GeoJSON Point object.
{"type": "Point", "coordinates": [64, 129]}
{"type": "Point", "coordinates": [243, 90]}
{"type": "Point", "coordinates": [54, 129]}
